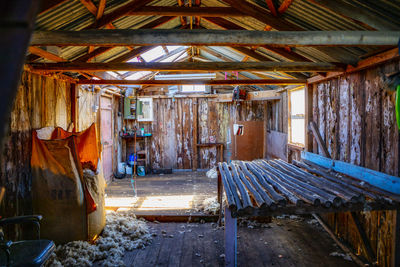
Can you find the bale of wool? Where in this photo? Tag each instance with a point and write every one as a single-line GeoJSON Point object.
{"type": "Point", "coordinates": [211, 205]}
{"type": "Point", "coordinates": [212, 173]}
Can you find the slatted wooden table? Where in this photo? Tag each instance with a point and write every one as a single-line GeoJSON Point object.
{"type": "Point", "coordinates": [275, 187]}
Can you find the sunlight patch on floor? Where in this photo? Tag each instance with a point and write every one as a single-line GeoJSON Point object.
{"type": "Point", "coordinates": [174, 202]}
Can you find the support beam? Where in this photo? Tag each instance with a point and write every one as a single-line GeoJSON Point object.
{"type": "Point", "coordinates": [271, 6]}
{"type": "Point", "coordinates": [187, 66]}
{"type": "Point", "coordinates": [186, 11]}
{"type": "Point", "coordinates": [89, 56]}
{"type": "Point", "coordinates": [193, 82]}
{"type": "Point", "coordinates": [284, 6]}
{"type": "Point", "coordinates": [214, 37]}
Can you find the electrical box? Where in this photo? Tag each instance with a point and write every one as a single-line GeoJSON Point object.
{"type": "Point", "coordinates": [145, 109]}
{"type": "Point", "coordinates": [130, 105]}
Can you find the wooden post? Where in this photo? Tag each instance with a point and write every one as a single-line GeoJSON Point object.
{"type": "Point", "coordinates": [230, 239]}
{"type": "Point", "coordinates": [220, 189]}
{"type": "Point", "coordinates": [308, 117]}
{"type": "Point", "coordinates": [321, 143]}
{"type": "Point", "coordinates": [194, 144]}
{"type": "Point", "coordinates": [74, 113]}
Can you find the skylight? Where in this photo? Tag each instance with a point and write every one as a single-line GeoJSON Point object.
{"type": "Point", "coordinates": [138, 75]}
{"type": "Point", "coordinates": [153, 54]}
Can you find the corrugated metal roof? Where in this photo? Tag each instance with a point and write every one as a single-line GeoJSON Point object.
{"type": "Point", "coordinates": [309, 15]}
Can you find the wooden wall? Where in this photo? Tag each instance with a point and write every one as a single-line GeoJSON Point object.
{"type": "Point", "coordinates": [40, 101]}
{"type": "Point", "coordinates": [174, 128]}
{"type": "Point", "coordinates": [356, 118]}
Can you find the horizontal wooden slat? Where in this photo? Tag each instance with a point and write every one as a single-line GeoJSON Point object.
{"type": "Point", "coordinates": [381, 180]}
{"type": "Point", "coordinates": [127, 37]}
{"type": "Point", "coordinates": [188, 66]}
{"type": "Point", "coordinates": [252, 96]}
{"type": "Point", "coordinates": [191, 82]}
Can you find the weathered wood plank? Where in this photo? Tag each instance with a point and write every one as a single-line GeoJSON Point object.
{"type": "Point", "coordinates": [185, 66]}
{"type": "Point", "coordinates": [212, 37]}
{"type": "Point", "coordinates": [193, 82]}
{"type": "Point", "coordinates": [378, 179]}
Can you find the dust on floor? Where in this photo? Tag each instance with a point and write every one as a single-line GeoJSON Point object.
{"type": "Point", "coordinates": [284, 242]}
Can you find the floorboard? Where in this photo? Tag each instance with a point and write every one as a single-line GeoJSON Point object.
{"type": "Point", "coordinates": [285, 243]}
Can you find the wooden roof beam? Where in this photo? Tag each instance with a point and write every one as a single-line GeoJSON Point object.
{"type": "Point", "coordinates": [129, 37]}
{"type": "Point", "coordinates": [271, 6]}
{"type": "Point", "coordinates": [189, 66]}
{"type": "Point", "coordinates": [45, 54]}
{"type": "Point", "coordinates": [194, 82]}
{"type": "Point", "coordinates": [284, 6]}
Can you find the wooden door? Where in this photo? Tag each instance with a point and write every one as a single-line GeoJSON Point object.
{"type": "Point", "coordinates": [106, 131]}
{"type": "Point", "coordinates": [250, 145]}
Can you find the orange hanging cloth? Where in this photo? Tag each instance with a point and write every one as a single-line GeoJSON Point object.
{"type": "Point", "coordinates": [88, 150]}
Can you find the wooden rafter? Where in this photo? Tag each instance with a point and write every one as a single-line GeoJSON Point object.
{"type": "Point", "coordinates": [119, 12]}
{"type": "Point", "coordinates": [188, 66]}
{"type": "Point", "coordinates": [100, 9]}
{"type": "Point", "coordinates": [90, 6]}
{"type": "Point", "coordinates": [194, 82]}
{"type": "Point", "coordinates": [284, 6]}
{"type": "Point", "coordinates": [133, 53]}
{"type": "Point", "coordinates": [89, 56]}
{"type": "Point", "coordinates": [226, 24]}
{"type": "Point", "coordinates": [271, 6]}
{"type": "Point", "coordinates": [129, 37]}
{"type": "Point", "coordinates": [182, 17]}
{"type": "Point", "coordinates": [263, 15]}
{"type": "Point", "coordinates": [45, 54]}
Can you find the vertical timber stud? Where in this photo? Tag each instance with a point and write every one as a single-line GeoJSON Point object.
{"type": "Point", "coordinates": [230, 239]}
{"type": "Point", "coordinates": [308, 116]}
{"type": "Point", "coordinates": [396, 239]}
{"type": "Point", "coordinates": [74, 113]}
{"type": "Point", "coordinates": [195, 126]}
{"type": "Point", "coordinates": [17, 19]}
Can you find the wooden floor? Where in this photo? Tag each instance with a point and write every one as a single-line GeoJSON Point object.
{"type": "Point", "coordinates": [286, 243]}
{"type": "Point", "coordinates": [177, 193]}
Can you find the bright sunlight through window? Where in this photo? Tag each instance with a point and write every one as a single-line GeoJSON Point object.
{"type": "Point", "coordinates": [296, 116]}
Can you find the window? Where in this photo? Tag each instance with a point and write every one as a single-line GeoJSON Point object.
{"type": "Point", "coordinates": [297, 117]}
{"type": "Point", "coordinates": [145, 109]}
